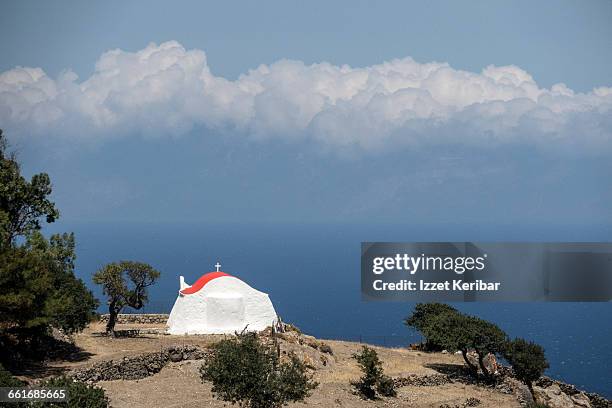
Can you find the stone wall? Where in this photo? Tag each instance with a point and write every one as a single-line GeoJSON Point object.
{"type": "Point", "coordinates": [133, 318]}
{"type": "Point", "coordinates": [138, 367]}
{"type": "Point", "coordinates": [426, 380]}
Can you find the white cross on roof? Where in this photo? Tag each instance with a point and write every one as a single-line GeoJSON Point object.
{"type": "Point", "coordinates": [218, 266]}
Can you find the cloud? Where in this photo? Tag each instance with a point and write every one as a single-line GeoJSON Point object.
{"type": "Point", "coordinates": [168, 90]}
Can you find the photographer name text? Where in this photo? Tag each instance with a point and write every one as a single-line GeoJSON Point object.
{"type": "Point", "coordinates": [448, 285]}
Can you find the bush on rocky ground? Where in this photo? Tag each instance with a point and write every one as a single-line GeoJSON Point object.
{"type": "Point", "coordinates": [246, 371]}
{"type": "Point", "coordinates": [325, 348]}
{"type": "Point", "coordinates": [527, 359]}
{"type": "Point", "coordinates": [386, 387]}
{"type": "Point", "coordinates": [373, 380]}
{"type": "Point", "coordinates": [292, 328]}
{"type": "Point", "coordinates": [80, 394]}
{"type": "Point", "coordinates": [8, 380]}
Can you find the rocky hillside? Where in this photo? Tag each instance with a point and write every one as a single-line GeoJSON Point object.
{"type": "Point", "coordinates": [151, 369]}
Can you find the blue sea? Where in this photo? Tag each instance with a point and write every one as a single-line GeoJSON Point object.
{"type": "Point", "coordinates": [312, 275]}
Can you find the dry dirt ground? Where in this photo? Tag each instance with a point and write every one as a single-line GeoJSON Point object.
{"type": "Point", "coordinates": [179, 384]}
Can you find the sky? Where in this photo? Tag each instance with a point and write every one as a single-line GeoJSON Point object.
{"type": "Point", "coordinates": [431, 112]}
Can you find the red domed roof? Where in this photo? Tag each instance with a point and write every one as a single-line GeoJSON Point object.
{"type": "Point", "coordinates": [204, 279]}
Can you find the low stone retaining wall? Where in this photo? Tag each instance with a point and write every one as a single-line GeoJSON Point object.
{"type": "Point", "coordinates": [133, 318]}
{"type": "Point", "coordinates": [138, 367]}
{"type": "Point", "coordinates": [427, 380]}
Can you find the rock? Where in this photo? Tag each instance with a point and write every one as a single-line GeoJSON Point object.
{"type": "Point", "coordinates": [544, 382]}
{"type": "Point", "coordinates": [473, 358]}
{"type": "Point", "coordinates": [444, 351]}
{"type": "Point", "coordinates": [597, 401]}
{"type": "Point", "coordinates": [175, 357]}
{"type": "Point", "coordinates": [291, 337]}
{"type": "Point", "coordinates": [311, 342]}
{"type": "Point", "coordinates": [489, 361]}
{"type": "Point", "coordinates": [522, 392]}
{"type": "Point", "coordinates": [59, 334]}
{"type": "Point", "coordinates": [581, 400]}
{"type": "Point", "coordinates": [553, 397]}
{"type": "Point", "coordinates": [308, 362]}
{"type": "Point", "coordinates": [471, 402]}
{"type": "Point", "coordinates": [578, 397]}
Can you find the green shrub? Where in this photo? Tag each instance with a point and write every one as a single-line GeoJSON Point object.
{"type": "Point", "coordinates": [245, 371]}
{"type": "Point", "coordinates": [527, 360]}
{"type": "Point", "coordinates": [290, 327]}
{"type": "Point", "coordinates": [373, 378]}
{"type": "Point", "coordinates": [385, 386]}
{"type": "Point", "coordinates": [80, 394]}
{"type": "Point", "coordinates": [7, 379]}
{"type": "Point", "coordinates": [325, 348]}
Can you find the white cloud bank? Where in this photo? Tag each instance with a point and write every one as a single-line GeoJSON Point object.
{"type": "Point", "coordinates": [165, 89]}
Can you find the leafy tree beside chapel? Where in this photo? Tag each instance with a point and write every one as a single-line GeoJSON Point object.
{"type": "Point", "coordinates": [125, 283]}
{"type": "Point", "coordinates": [38, 287]}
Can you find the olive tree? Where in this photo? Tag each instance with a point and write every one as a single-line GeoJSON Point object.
{"type": "Point", "coordinates": [447, 328]}
{"type": "Point", "coordinates": [452, 331]}
{"type": "Point", "coordinates": [125, 283]}
{"type": "Point", "coordinates": [421, 317]}
{"type": "Point", "coordinates": [527, 360]}
{"type": "Point", "coordinates": [487, 338]}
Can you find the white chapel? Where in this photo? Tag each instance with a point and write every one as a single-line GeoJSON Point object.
{"type": "Point", "coordinates": [219, 303]}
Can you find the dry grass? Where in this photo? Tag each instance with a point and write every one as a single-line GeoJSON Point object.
{"type": "Point", "coordinates": [179, 384]}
